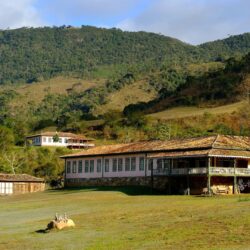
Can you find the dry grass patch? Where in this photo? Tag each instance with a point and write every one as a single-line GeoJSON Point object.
{"type": "Point", "coordinates": [182, 112]}
{"type": "Point", "coordinates": [137, 92]}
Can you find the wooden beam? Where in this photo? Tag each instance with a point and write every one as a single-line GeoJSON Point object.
{"type": "Point", "coordinates": [235, 177]}
{"type": "Point", "coordinates": [208, 176]}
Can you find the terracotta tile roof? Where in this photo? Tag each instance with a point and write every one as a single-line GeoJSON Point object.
{"type": "Point", "coordinates": [62, 134]}
{"type": "Point", "coordinates": [19, 178]}
{"type": "Point", "coordinates": [180, 145]}
{"type": "Point", "coordinates": [184, 147]}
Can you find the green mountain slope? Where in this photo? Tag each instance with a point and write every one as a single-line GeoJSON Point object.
{"type": "Point", "coordinates": [30, 54]}
{"type": "Point", "coordinates": [34, 54]}
{"type": "Point", "coordinates": [231, 46]}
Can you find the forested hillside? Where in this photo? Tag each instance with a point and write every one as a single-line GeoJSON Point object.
{"type": "Point", "coordinates": [34, 54]}
{"type": "Point", "coordinates": [30, 54]}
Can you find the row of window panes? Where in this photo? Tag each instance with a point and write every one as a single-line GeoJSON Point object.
{"type": "Point", "coordinates": [36, 140]}
{"type": "Point", "coordinates": [117, 165]}
{"type": "Point", "coordinates": [50, 140]}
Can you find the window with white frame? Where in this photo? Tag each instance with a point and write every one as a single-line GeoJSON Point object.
{"type": "Point", "coordinates": [91, 166]}
{"type": "Point", "coordinates": [127, 164]}
{"type": "Point", "coordinates": [74, 167]}
{"type": "Point", "coordinates": [44, 139]}
{"type": "Point", "coordinates": [120, 164]}
{"type": "Point", "coordinates": [141, 163]}
{"type": "Point", "coordinates": [106, 165]}
{"type": "Point", "coordinates": [80, 166]}
{"type": "Point", "coordinates": [114, 166]}
{"type": "Point", "coordinates": [49, 139]}
{"type": "Point", "coordinates": [68, 168]}
{"type": "Point", "coordinates": [86, 166]}
{"type": "Point", "coordinates": [8, 188]}
{"type": "Point", "coordinates": [99, 165]}
{"type": "Point", "coordinates": [133, 164]}
{"type": "Point", "coordinates": [60, 140]}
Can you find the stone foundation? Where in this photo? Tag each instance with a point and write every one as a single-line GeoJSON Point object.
{"type": "Point", "coordinates": [159, 182]}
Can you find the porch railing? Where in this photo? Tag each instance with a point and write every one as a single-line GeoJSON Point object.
{"type": "Point", "coordinates": [160, 172]}
{"type": "Point", "coordinates": [204, 170]}
{"type": "Point", "coordinates": [242, 171]}
{"type": "Point", "coordinates": [179, 171]}
{"type": "Point", "coordinates": [221, 171]}
{"type": "Point", "coordinates": [197, 171]}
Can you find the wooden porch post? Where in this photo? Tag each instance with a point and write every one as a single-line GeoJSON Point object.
{"type": "Point", "coordinates": [169, 176]}
{"type": "Point", "coordinates": [152, 176]}
{"type": "Point", "coordinates": [235, 177]}
{"type": "Point", "coordinates": [208, 176]}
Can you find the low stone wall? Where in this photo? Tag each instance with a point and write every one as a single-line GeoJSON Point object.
{"type": "Point", "coordinates": [159, 182]}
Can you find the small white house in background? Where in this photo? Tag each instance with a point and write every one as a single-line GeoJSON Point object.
{"type": "Point", "coordinates": [60, 139]}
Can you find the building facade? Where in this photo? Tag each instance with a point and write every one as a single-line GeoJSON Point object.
{"type": "Point", "coordinates": [60, 139]}
{"type": "Point", "coordinates": [217, 164]}
{"type": "Point", "coordinates": [20, 184]}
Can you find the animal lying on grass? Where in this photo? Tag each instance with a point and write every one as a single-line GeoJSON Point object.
{"type": "Point", "coordinates": [60, 222]}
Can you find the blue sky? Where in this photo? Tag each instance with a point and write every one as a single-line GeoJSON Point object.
{"type": "Point", "coordinates": [192, 21]}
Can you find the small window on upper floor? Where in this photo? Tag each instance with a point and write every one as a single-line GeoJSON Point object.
{"type": "Point", "coordinates": [80, 166]}
{"type": "Point", "coordinates": [133, 164]}
{"type": "Point", "coordinates": [120, 164]}
{"type": "Point", "coordinates": [74, 167]}
{"type": "Point", "coordinates": [91, 166]}
{"type": "Point", "coordinates": [127, 164]}
{"type": "Point", "coordinates": [141, 163]}
{"type": "Point", "coordinates": [86, 166]}
{"type": "Point", "coordinates": [68, 167]}
{"type": "Point", "coordinates": [99, 165]}
{"type": "Point", "coordinates": [106, 165]}
{"type": "Point", "coordinates": [114, 167]}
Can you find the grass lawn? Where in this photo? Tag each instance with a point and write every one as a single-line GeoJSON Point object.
{"type": "Point", "coordinates": [122, 219]}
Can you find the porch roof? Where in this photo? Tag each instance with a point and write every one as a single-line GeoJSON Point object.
{"type": "Point", "coordinates": [223, 153]}
{"type": "Point", "coordinates": [244, 154]}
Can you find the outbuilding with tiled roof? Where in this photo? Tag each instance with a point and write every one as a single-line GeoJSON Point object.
{"type": "Point", "coordinates": [20, 183]}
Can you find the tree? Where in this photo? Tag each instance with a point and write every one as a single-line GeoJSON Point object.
{"type": "Point", "coordinates": [6, 138]}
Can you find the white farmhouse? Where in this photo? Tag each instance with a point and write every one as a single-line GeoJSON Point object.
{"type": "Point", "coordinates": [218, 164]}
{"type": "Point", "coordinates": [60, 139]}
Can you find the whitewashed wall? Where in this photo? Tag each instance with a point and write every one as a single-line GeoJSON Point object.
{"type": "Point", "coordinates": [136, 173]}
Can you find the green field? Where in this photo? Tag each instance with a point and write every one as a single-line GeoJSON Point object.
{"type": "Point", "coordinates": [122, 219]}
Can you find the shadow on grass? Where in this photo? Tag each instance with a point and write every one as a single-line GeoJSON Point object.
{"type": "Point", "coordinates": [128, 190]}
{"type": "Point", "coordinates": [42, 231]}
